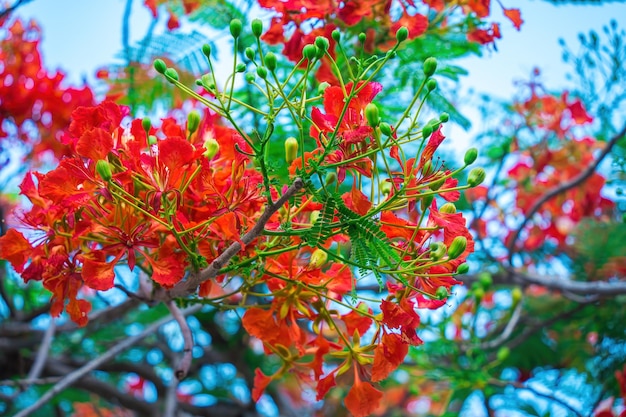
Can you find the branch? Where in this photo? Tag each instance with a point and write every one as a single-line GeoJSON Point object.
{"type": "Point", "coordinates": [577, 180]}
{"type": "Point", "coordinates": [185, 362]}
{"type": "Point", "coordinates": [185, 288]}
{"type": "Point", "coordinates": [42, 353]}
{"type": "Point", "coordinates": [11, 9]}
{"type": "Point", "coordinates": [589, 288]}
{"type": "Point", "coordinates": [510, 326]}
{"type": "Point", "coordinates": [111, 353]}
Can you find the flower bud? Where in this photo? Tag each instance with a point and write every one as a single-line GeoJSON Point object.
{"type": "Point", "coordinates": [470, 156]}
{"type": "Point", "coordinates": [291, 149]}
{"type": "Point", "coordinates": [402, 34]}
{"type": "Point", "coordinates": [331, 177]}
{"type": "Point", "coordinates": [171, 75]}
{"type": "Point", "coordinates": [479, 293]}
{"type": "Point", "coordinates": [207, 82]}
{"type": "Point", "coordinates": [103, 168]}
{"type": "Point", "coordinates": [193, 121]}
{"type": "Point", "coordinates": [261, 72]}
{"type": "Point", "coordinates": [319, 53]}
{"type": "Point", "coordinates": [430, 66]}
{"type": "Point", "coordinates": [448, 208]}
{"type": "Point", "coordinates": [241, 67]}
{"type": "Point", "coordinates": [235, 28]}
{"type": "Point", "coordinates": [457, 247]}
{"type": "Point", "coordinates": [159, 66]}
{"type": "Point", "coordinates": [362, 37]}
{"type": "Point", "coordinates": [485, 280]}
{"type": "Point", "coordinates": [322, 43]}
{"type": "Point", "coordinates": [444, 117]}
{"type": "Point", "coordinates": [385, 128]}
{"type": "Point", "coordinates": [270, 61]}
{"type": "Point", "coordinates": [309, 52]}
{"type": "Point", "coordinates": [318, 259]}
{"type": "Point", "coordinates": [437, 184]}
{"type": "Point", "coordinates": [315, 214]}
{"type": "Point", "coordinates": [212, 148]}
{"type": "Point", "coordinates": [503, 353]}
{"type": "Point", "coordinates": [431, 84]}
{"type": "Point", "coordinates": [206, 50]}
{"type": "Point", "coordinates": [249, 77]}
{"type": "Point", "coordinates": [426, 201]}
{"type": "Point", "coordinates": [257, 27]}
{"type": "Point", "coordinates": [437, 251]}
{"type": "Point", "coordinates": [427, 169]}
{"type": "Point", "coordinates": [476, 177]}
{"type": "Point", "coordinates": [385, 187]}
{"type": "Point", "coordinates": [372, 115]}
{"type": "Point", "coordinates": [322, 87]}
{"type": "Point", "coordinates": [427, 131]}
{"type": "Point", "coordinates": [152, 140]}
{"type": "Point", "coordinates": [336, 35]}
{"type": "Point", "coordinates": [442, 293]}
{"type": "Point", "coordinates": [463, 269]}
{"type": "Point", "coordinates": [249, 53]}
{"type": "Point", "coordinates": [146, 124]}
{"type": "Point", "coordinates": [516, 295]}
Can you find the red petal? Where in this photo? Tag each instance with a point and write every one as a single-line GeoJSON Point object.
{"type": "Point", "coordinates": [388, 355]}
{"type": "Point", "coordinates": [363, 399]}
{"type": "Point", "coordinates": [514, 16]}
{"type": "Point", "coordinates": [98, 274]}
{"type": "Point", "coordinates": [95, 144]}
{"type": "Point", "coordinates": [175, 152]}
{"type": "Point", "coordinates": [15, 248]}
{"type": "Point", "coordinates": [261, 381]}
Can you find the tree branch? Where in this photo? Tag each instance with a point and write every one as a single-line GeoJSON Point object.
{"type": "Point", "coordinates": [11, 9]}
{"type": "Point", "coordinates": [185, 362]}
{"type": "Point", "coordinates": [111, 353]}
{"type": "Point", "coordinates": [589, 288]}
{"type": "Point", "coordinates": [185, 288]}
{"type": "Point", "coordinates": [42, 353]}
{"type": "Point", "coordinates": [577, 180]}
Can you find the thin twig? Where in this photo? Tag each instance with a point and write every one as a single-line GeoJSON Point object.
{"type": "Point", "coordinates": [185, 361]}
{"type": "Point", "coordinates": [42, 353]}
{"type": "Point", "coordinates": [577, 180]}
{"type": "Point", "coordinates": [510, 326]}
{"type": "Point", "coordinates": [171, 401]}
{"type": "Point", "coordinates": [11, 9]}
{"type": "Point", "coordinates": [89, 366]}
{"type": "Point", "coordinates": [187, 287]}
{"type": "Point", "coordinates": [597, 288]}
{"type": "Point", "coordinates": [21, 383]}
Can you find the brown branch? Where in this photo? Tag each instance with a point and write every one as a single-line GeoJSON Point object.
{"type": "Point", "coordinates": [42, 353]}
{"type": "Point", "coordinates": [182, 369]}
{"type": "Point", "coordinates": [11, 9]}
{"type": "Point", "coordinates": [189, 286]}
{"type": "Point", "coordinates": [577, 180]}
{"type": "Point", "coordinates": [587, 288]}
{"type": "Point", "coordinates": [79, 373]}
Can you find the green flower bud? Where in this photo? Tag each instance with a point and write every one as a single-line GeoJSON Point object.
{"type": "Point", "coordinates": [372, 115]}
{"type": "Point", "coordinates": [206, 50]}
{"type": "Point", "coordinates": [249, 53]}
{"type": "Point", "coordinates": [362, 37]}
{"type": "Point", "coordinates": [241, 67]}
{"type": "Point", "coordinates": [427, 131]}
{"type": "Point", "coordinates": [291, 149]}
{"type": "Point", "coordinates": [171, 75]}
{"type": "Point", "coordinates": [385, 187]}
{"type": "Point", "coordinates": [437, 250]}
{"type": "Point", "coordinates": [319, 53]}
{"type": "Point", "coordinates": [146, 124]}
{"type": "Point", "coordinates": [159, 66]}
{"type": "Point", "coordinates": [331, 178]}
{"type": "Point", "coordinates": [257, 27]}
{"type": "Point", "coordinates": [431, 84]}
{"type": "Point", "coordinates": [212, 148]}
{"type": "Point", "coordinates": [448, 208]}
{"type": "Point", "coordinates": [426, 201]}
{"type": "Point", "coordinates": [249, 77]}
{"type": "Point", "coordinates": [430, 66]}
{"type": "Point", "coordinates": [457, 247]}
{"type": "Point", "coordinates": [315, 214]}
{"type": "Point", "coordinates": [485, 280]}
{"type": "Point", "coordinates": [336, 35]}
{"type": "Point", "coordinates": [309, 52]}
{"type": "Point", "coordinates": [479, 294]}
{"type": "Point", "coordinates": [152, 140]}
{"type": "Point", "coordinates": [516, 295]}
{"type": "Point", "coordinates": [385, 128]}
{"type": "Point", "coordinates": [261, 72]}
{"type": "Point", "coordinates": [503, 353]}
{"type": "Point", "coordinates": [208, 82]}
{"type": "Point", "coordinates": [442, 293]}
{"type": "Point", "coordinates": [444, 117]}
{"type": "Point", "coordinates": [235, 28]}
{"type": "Point", "coordinates": [463, 269]}
{"type": "Point", "coordinates": [476, 177]}
{"type": "Point", "coordinates": [103, 168]}
{"type": "Point", "coordinates": [437, 184]}
{"type": "Point", "coordinates": [427, 169]}
{"type": "Point", "coordinates": [270, 61]}
{"type": "Point", "coordinates": [322, 43]}
{"type": "Point", "coordinates": [470, 156]}
{"type": "Point", "coordinates": [322, 87]}
{"type": "Point", "coordinates": [402, 34]}
{"type": "Point", "coordinates": [318, 259]}
{"type": "Point", "coordinates": [193, 121]}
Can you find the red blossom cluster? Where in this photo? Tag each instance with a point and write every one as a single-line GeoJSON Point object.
{"type": "Point", "coordinates": [169, 201]}
{"type": "Point", "coordinates": [35, 106]}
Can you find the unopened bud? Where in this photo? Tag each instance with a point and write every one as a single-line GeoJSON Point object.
{"type": "Point", "coordinates": [249, 53]}
{"type": "Point", "coordinates": [457, 247]}
{"type": "Point", "coordinates": [372, 115]}
{"type": "Point", "coordinates": [318, 259]}
{"type": "Point", "coordinates": [171, 75]}
{"type": "Point", "coordinates": [235, 28]}
{"type": "Point", "coordinates": [249, 77]}
{"type": "Point", "coordinates": [430, 66]}
{"type": "Point", "coordinates": [322, 87]}
{"type": "Point", "coordinates": [503, 353]}
{"type": "Point", "coordinates": [402, 34]}
{"type": "Point", "coordinates": [437, 184]}
{"type": "Point", "coordinates": [335, 35]}
{"type": "Point", "coordinates": [322, 43]}
{"type": "Point", "coordinates": [270, 61]}
{"type": "Point", "coordinates": [103, 168]}
{"type": "Point", "coordinates": [437, 251]}
{"type": "Point", "coordinates": [159, 66]}
{"type": "Point", "coordinates": [448, 208]}
{"type": "Point", "coordinates": [444, 117]}
{"type": "Point", "coordinates": [212, 148]}
{"type": "Point", "coordinates": [385, 128]}
{"type": "Point", "coordinates": [146, 124]}
{"type": "Point", "coordinates": [385, 187]}
{"type": "Point", "coordinates": [463, 269]}
{"type": "Point", "coordinates": [261, 72]}
{"type": "Point", "coordinates": [206, 50]}
{"type": "Point", "coordinates": [470, 156]}
{"type": "Point", "coordinates": [427, 131]}
{"type": "Point", "coordinates": [431, 84]}
{"type": "Point", "coordinates": [442, 293]}
{"type": "Point", "coordinates": [362, 37]}
{"type": "Point", "coordinates": [193, 121]}
{"type": "Point", "coordinates": [309, 52]}
{"type": "Point", "coordinates": [331, 178]}
{"type": "Point", "coordinates": [152, 140]}
{"type": "Point", "coordinates": [257, 27]}
{"type": "Point", "coordinates": [516, 295]}
{"type": "Point", "coordinates": [315, 214]}
{"type": "Point", "coordinates": [241, 67]}
{"type": "Point", "coordinates": [426, 201]}
{"type": "Point", "coordinates": [485, 280]}
{"type": "Point", "coordinates": [476, 177]}
{"type": "Point", "coordinates": [427, 169]}
{"type": "Point", "coordinates": [291, 149]}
